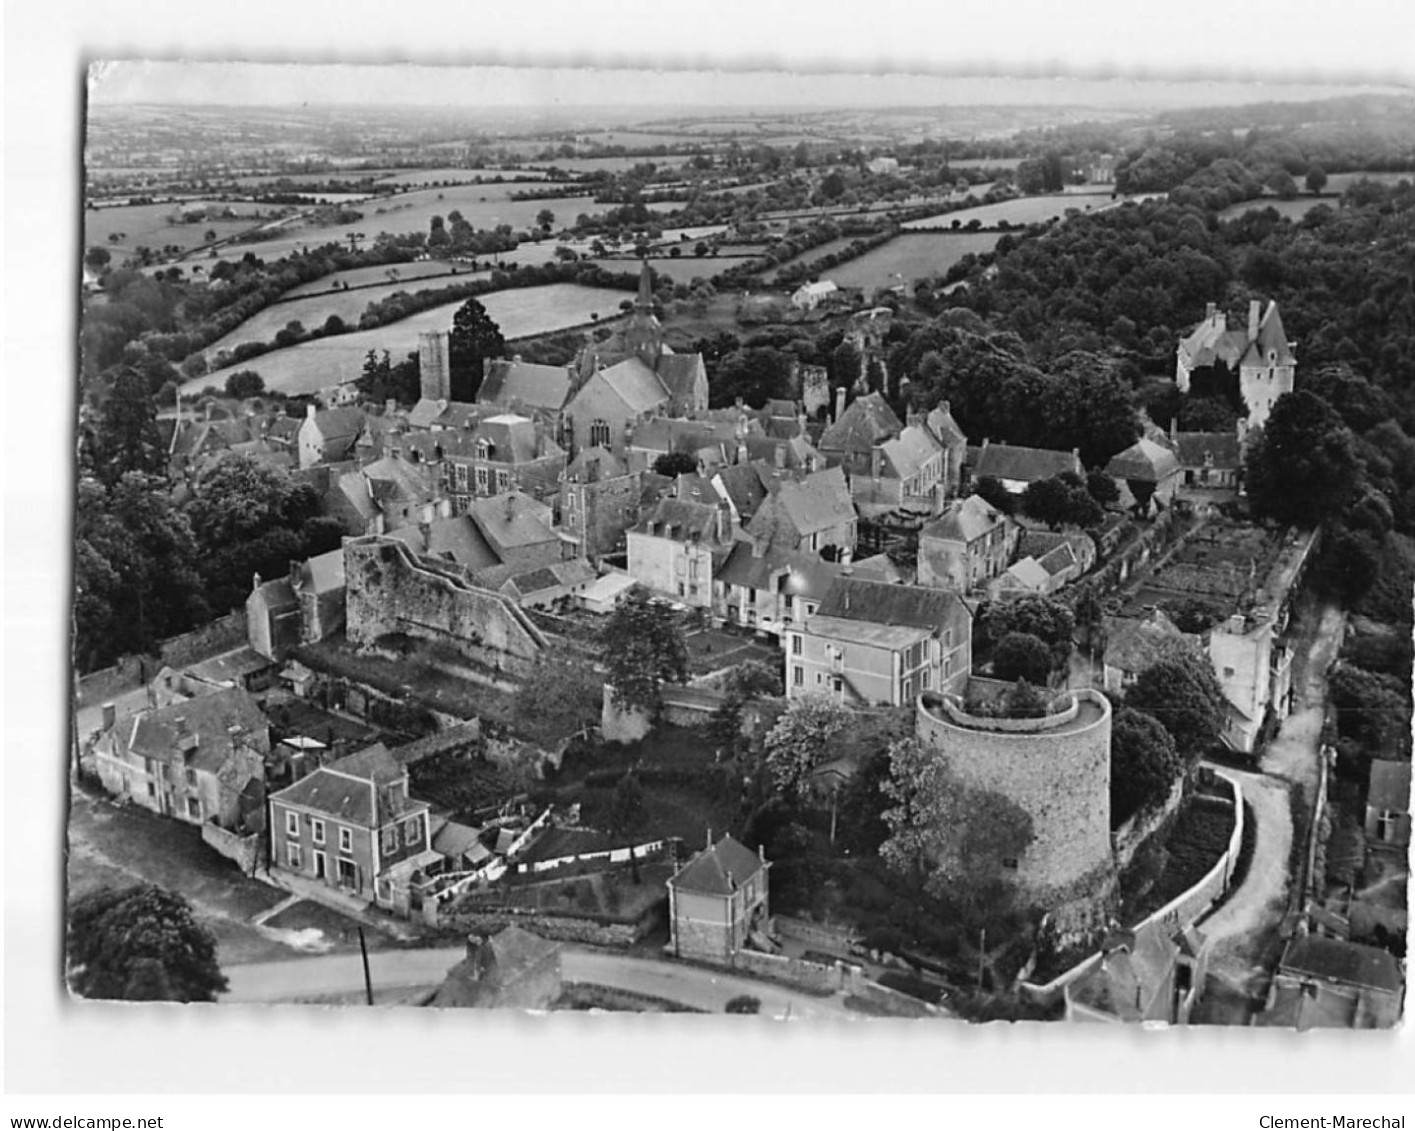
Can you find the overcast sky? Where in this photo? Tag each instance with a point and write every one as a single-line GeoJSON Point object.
{"type": "Point", "coordinates": [734, 52]}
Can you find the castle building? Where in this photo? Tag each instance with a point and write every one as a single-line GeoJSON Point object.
{"type": "Point", "coordinates": [1265, 359]}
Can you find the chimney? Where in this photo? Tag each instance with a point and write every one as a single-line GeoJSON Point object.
{"type": "Point", "coordinates": [110, 715]}
{"type": "Point", "coordinates": [592, 470]}
{"type": "Point", "coordinates": [1173, 429]}
{"type": "Point", "coordinates": [779, 456]}
{"type": "Point", "coordinates": [309, 412]}
{"type": "Point", "coordinates": [255, 582]}
{"type": "Point", "coordinates": [876, 461]}
{"type": "Point", "coordinates": [510, 505]}
{"type": "Point", "coordinates": [801, 423]}
{"type": "Point", "coordinates": [741, 453]}
{"type": "Point", "coordinates": [709, 839]}
{"type": "Point", "coordinates": [1209, 312]}
{"type": "Point", "coordinates": [1242, 432]}
{"type": "Point", "coordinates": [913, 419]}
{"type": "Point", "coordinates": [946, 408]}
{"type": "Point", "coordinates": [1254, 309]}
{"type": "Point", "coordinates": [839, 404]}
{"type": "Point", "coordinates": [390, 406]}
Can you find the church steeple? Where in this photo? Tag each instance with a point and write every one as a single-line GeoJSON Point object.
{"type": "Point", "coordinates": [643, 336]}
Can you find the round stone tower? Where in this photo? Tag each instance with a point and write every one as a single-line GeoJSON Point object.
{"type": "Point", "coordinates": [1057, 769]}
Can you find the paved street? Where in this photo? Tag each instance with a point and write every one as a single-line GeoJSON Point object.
{"type": "Point", "coordinates": [329, 975]}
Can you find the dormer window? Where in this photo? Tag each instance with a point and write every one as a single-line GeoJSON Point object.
{"type": "Point", "coordinates": [482, 449]}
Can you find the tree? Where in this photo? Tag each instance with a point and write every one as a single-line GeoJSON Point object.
{"type": "Point", "coordinates": [545, 219]}
{"type": "Point", "coordinates": [1046, 618]}
{"type": "Point", "coordinates": [990, 490]}
{"type": "Point", "coordinates": [559, 699]}
{"type": "Point", "coordinates": [1144, 765]}
{"type": "Point", "coordinates": [756, 374]}
{"type": "Point", "coordinates": [954, 839]}
{"type": "Point", "coordinates": [643, 645]}
{"type": "Point", "coordinates": [800, 741]}
{"type": "Point", "coordinates": [475, 338]}
{"type": "Point", "coordinates": [140, 943]}
{"type": "Point", "coordinates": [126, 437]}
{"type": "Point", "coordinates": [1182, 692]}
{"type": "Point", "coordinates": [1316, 178]}
{"type": "Point", "coordinates": [1020, 655]}
{"type": "Point", "coordinates": [97, 258]}
{"type": "Point", "coordinates": [1143, 491]}
{"type": "Point", "coordinates": [1303, 467]}
{"type": "Point", "coordinates": [628, 809]}
{"type": "Point", "coordinates": [1061, 501]}
{"type": "Point", "coordinates": [244, 384]}
{"type": "Point", "coordinates": [1102, 488]}
{"type": "Point", "coordinates": [674, 464]}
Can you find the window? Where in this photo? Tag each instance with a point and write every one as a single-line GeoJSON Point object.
{"type": "Point", "coordinates": [293, 857]}
{"type": "Point", "coordinates": [599, 434]}
{"type": "Point", "coordinates": [798, 675]}
{"type": "Point", "coordinates": [682, 592]}
{"type": "Point", "coordinates": [481, 449]}
{"type": "Point", "coordinates": [191, 777]}
{"type": "Point", "coordinates": [461, 472]}
{"type": "Point", "coordinates": [837, 684]}
{"type": "Point", "coordinates": [412, 831]}
{"type": "Point", "coordinates": [1228, 672]}
{"type": "Point", "coordinates": [292, 823]}
{"type": "Point", "coordinates": [482, 480]}
{"type": "Point", "coordinates": [194, 808]}
{"type": "Point", "coordinates": [389, 840]}
{"type": "Point", "coordinates": [925, 679]}
{"type": "Point", "coordinates": [1010, 863]}
{"type": "Point", "coordinates": [503, 481]}
{"type": "Point", "coordinates": [346, 840]}
{"type": "Point", "coordinates": [317, 831]}
{"type": "Point", "coordinates": [795, 645]}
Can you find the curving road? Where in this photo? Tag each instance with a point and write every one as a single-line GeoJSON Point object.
{"type": "Point", "coordinates": [303, 979]}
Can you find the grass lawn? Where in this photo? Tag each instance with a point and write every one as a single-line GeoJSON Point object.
{"type": "Point", "coordinates": [909, 257]}
{"type": "Point", "coordinates": [118, 846]}
{"type": "Point", "coordinates": [1023, 210]}
{"type": "Point", "coordinates": [712, 650]}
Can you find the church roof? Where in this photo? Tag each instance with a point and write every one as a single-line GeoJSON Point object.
{"type": "Point", "coordinates": [635, 384]}
{"type": "Point", "coordinates": [525, 383]}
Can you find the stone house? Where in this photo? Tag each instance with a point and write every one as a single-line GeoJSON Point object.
{"type": "Point", "coordinates": [513, 969]}
{"type": "Point", "coordinates": [717, 900]}
{"type": "Point", "coordinates": [967, 547]}
{"type": "Point", "coordinates": [598, 502]}
{"type": "Point", "coordinates": [945, 430]}
{"type": "Point", "coordinates": [329, 435]}
{"type": "Point", "coordinates": [500, 453]}
{"type": "Point", "coordinates": [318, 587]}
{"type": "Point", "coordinates": [770, 591]}
{"type": "Point", "coordinates": [905, 470]}
{"type": "Point", "coordinates": [1136, 643]}
{"type": "Point", "coordinates": [197, 759]}
{"type": "Point", "coordinates": [272, 617]}
{"type": "Point", "coordinates": [814, 513]}
{"type": "Point", "coordinates": [1210, 463]}
{"type": "Point", "coordinates": [1143, 975]}
{"type": "Point", "coordinates": [876, 643]}
{"type": "Point", "coordinates": [808, 296]}
{"type": "Point", "coordinates": [1148, 462]}
{"type": "Point", "coordinates": [519, 530]}
{"type": "Point", "coordinates": [675, 549]}
{"type": "Point", "coordinates": [1388, 803]}
{"type": "Point", "coordinates": [1330, 984]}
{"type": "Point", "coordinates": [1018, 468]}
{"type": "Point", "coordinates": [855, 433]}
{"type": "Point", "coordinates": [1253, 663]}
{"type": "Point", "coordinates": [352, 826]}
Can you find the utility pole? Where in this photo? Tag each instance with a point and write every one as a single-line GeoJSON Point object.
{"type": "Point", "coordinates": [982, 955]}
{"type": "Point", "coordinates": [368, 981]}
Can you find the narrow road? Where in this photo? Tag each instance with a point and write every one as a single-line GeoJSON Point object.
{"type": "Point", "coordinates": [304, 979]}
{"type": "Point", "coordinates": [1244, 928]}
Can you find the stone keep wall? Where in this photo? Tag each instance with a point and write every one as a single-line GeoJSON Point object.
{"type": "Point", "coordinates": [1056, 769]}
{"type": "Point", "coordinates": [389, 591]}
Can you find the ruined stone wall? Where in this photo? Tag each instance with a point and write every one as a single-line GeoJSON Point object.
{"type": "Point", "coordinates": [1058, 771]}
{"type": "Point", "coordinates": [389, 591]}
{"type": "Point", "coordinates": [557, 928]}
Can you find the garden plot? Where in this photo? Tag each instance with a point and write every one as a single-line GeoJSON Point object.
{"type": "Point", "coordinates": [907, 258]}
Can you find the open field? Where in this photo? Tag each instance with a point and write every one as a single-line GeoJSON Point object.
{"type": "Point", "coordinates": [683, 269]}
{"type": "Point", "coordinates": [369, 276]}
{"type": "Point", "coordinates": [909, 257]}
{"type": "Point", "coordinates": [1340, 182]}
{"type": "Point", "coordinates": [150, 225]}
{"type": "Point", "coordinates": [609, 164]}
{"type": "Point", "coordinates": [311, 366]}
{"type": "Point", "coordinates": [461, 176]}
{"type": "Point", "coordinates": [312, 309]}
{"type": "Point", "coordinates": [1023, 210]}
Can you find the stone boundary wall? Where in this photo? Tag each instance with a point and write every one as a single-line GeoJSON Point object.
{"type": "Point", "coordinates": [807, 932]}
{"type": "Point", "coordinates": [1127, 840]}
{"type": "Point", "coordinates": [128, 674]}
{"type": "Point", "coordinates": [246, 851]}
{"type": "Point", "coordinates": [221, 635]}
{"type": "Point", "coordinates": [556, 927]}
{"type": "Point", "coordinates": [1187, 908]}
{"type": "Point", "coordinates": [813, 976]}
